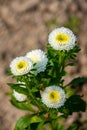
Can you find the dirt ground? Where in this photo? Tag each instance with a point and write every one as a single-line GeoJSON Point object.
{"type": "Point", "coordinates": [24, 25]}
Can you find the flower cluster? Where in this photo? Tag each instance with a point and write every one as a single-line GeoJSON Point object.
{"type": "Point", "coordinates": [23, 65]}
{"type": "Point", "coordinates": [40, 80]}
{"type": "Point", "coordinates": [53, 96]}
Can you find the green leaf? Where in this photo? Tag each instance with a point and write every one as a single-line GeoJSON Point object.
{"type": "Point", "coordinates": [69, 92]}
{"type": "Point", "coordinates": [55, 125]}
{"type": "Point", "coordinates": [75, 104]}
{"type": "Point", "coordinates": [23, 122]}
{"type": "Point", "coordinates": [60, 127]}
{"type": "Point", "coordinates": [38, 120]}
{"type": "Point", "coordinates": [73, 127]}
{"type": "Point", "coordinates": [79, 80]}
{"type": "Point", "coordinates": [34, 126]}
{"type": "Point", "coordinates": [71, 54]}
{"type": "Point", "coordinates": [61, 118]}
{"type": "Point", "coordinates": [40, 125]}
{"type": "Point", "coordinates": [35, 119]}
{"type": "Point", "coordinates": [70, 64]}
{"type": "Point", "coordinates": [19, 89]}
{"type": "Point", "coordinates": [28, 122]}
{"type": "Point", "coordinates": [22, 105]}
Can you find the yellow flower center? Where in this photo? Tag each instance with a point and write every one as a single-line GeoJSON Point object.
{"type": "Point", "coordinates": [54, 96]}
{"type": "Point", "coordinates": [62, 38]}
{"type": "Point", "coordinates": [21, 65]}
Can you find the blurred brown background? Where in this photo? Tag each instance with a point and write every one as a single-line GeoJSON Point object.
{"type": "Point", "coordinates": [24, 25]}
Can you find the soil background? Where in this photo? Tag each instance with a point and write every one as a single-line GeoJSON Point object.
{"type": "Point", "coordinates": [24, 25]}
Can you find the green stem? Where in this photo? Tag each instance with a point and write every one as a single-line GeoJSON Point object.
{"type": "Point", "coordinates": [62, 62]}
{"type": "Point", "coordinates": [52, 117]}
{"type": "Point", "coordinates": [34, 99]}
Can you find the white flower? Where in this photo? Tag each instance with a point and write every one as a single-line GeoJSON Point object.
{"type": "Point", "coordinates": [18, 96]}
{"type": "Point", "coordinates": [62, 39]}
{"type": "Point", "coordinates": [53, 97]}
{"type": "Point", "coordinates": [39, 58]}
{"type": "Point", "coordinates": [21, 65]}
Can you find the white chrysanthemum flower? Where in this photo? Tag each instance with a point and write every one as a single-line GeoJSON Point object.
{"type": "Point", "coordinates": [21, 65]}
{"type": "Point", "coordinates": [62, 39]}
{"type": "Point", "coordinates": [39, 58]}
{"type": "Point", "coordinates": [18, 96]}
{"type": "Point", "coordinates": [53, 97]}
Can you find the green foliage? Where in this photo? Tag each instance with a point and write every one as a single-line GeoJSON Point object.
{"type": "Point", "coordinates": [33, 84]}
{"type": "Point", "coordinates": [69, 92]}
{"type": "Point", "coordinates": [60, 127]}
{"type": "Point", "coordinates": [56, 125]}
{"type": "Point", "coordinates": [73, 104]}
{"type": "Point", "coordinates": [29, 122]}
{"type": "Point", "coordinates": [73, 127]}
{"type": "Point", "coordinates": [22, 105]}
{"type": "Point", "coordinates": [79, 80]}
{"type": "Point", "coordinates": [58, 60]}
{"type": "Point", "coordinates": [19, 89]}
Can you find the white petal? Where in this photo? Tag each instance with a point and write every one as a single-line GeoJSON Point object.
{"type": "Point", "coordinates": [19, 97]}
